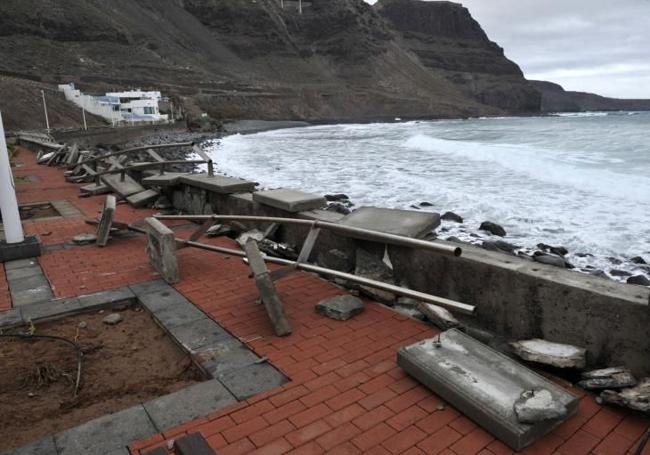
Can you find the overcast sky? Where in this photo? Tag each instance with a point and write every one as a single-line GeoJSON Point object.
{"type": "Point", "coordinates": [599, 46]}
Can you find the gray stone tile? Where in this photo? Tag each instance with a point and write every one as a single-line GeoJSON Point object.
{"type": "Point", "coordinates": [107, 433]}
{"type": "Point", "coordinates": [32, 296]}
{"type": "Point", "coordinates": [29, 282]}
{"type": "Point", "coordinates": [141, 289]}
{"type": "Point", "coordinates": [49, 309]}
{"type": "Point", "coordinates": [43, 446]}
{"type": "Point", "coordinates": [407, 223]}
{"type": "Point", "coordinates": [111, 298]}
{"type": "Point", "coordinates": [10, 318]}
{"type": "Point", "coordinates": [20, 263]}
{"type": "Point", "coordinates": [225, 356]}
{"type": "Point", "coordinates": [158, 300]}
{"type": "Point", "coordinates": [23, 272]}
{"type": "Point", "coordinates": [198, 335]}
{"type": "Point", "coordinates": [178, 314]}
{"type": "Point", "coordinates": [188, 403]}
{"type": "Point", "coordinates": [251, 380]}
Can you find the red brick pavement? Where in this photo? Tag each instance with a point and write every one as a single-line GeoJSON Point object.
{"type": "Point", "coordinates": [346, 395]}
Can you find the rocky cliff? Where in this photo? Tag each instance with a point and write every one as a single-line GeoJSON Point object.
{"type": "Point", "coordinates": [340, 59]}
{"type": "Point", "coordinates": [556, 99]}
{"type": "Point", "coordinates": [451, 44]}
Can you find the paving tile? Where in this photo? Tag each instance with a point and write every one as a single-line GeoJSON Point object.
{"type": "Point", "coordinates": [251, 380]}
{"type": "Point", "coordinates": [44, 446]}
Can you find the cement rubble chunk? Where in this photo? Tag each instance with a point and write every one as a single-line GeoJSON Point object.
{"type": "Point", "coordinates": [341, 308]}
{"type": "Point", "coordinates": [439, 316]}
{"type": "Point", "coordinates": [636, 398]}
{"type": "Point", "coordinates": [406, 223]}
{"type": "Point", "coordinates": [122, 188]}
{"type": "Point", "coordinates": [94, 189]}
{"type": "Point", "coordinates": [608, 378]}
{"type": "Point", "coordinates": [84, 239]}
{"type": "Point", "coordinates": [253, 234]}
{"type": "Point", "coordinates": [293, 201]}
{"type": "Point", "coordinates": [371, 267]}
{"type": "Point", "coordinates": [161, 248]}
{"type": "Point", "coordinates": [482, 384]}
{"type": "Point", "coordinates": [548, 353]}
{"type": "Point", "coordinates": [538, 405]}
{"type": "Point", "coordinates": [143, 199]}
{"type": "Point", "coordinates": [113, 319]}
{"type": "Point", "coordinates": [165, 180]}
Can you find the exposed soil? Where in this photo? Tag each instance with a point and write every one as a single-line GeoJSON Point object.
{"type": "Point", "coordinates": [125, 364]}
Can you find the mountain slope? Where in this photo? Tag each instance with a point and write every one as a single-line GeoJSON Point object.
{"type": "Point", "coordinates": [556, 99]}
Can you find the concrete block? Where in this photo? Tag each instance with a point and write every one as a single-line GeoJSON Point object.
{"type": "Point", "coordinates": [107, 299]}
{"type": "Point", "coordinates": [144, 198]}
{"type": "Point", "coordinates": [29, 248]}
{"type": "Point", "coordinates": [50, 309]}
{"type": "Point", "coordinates": [11, 318]}
{"type": "Point", "coordinates": [20, 263]}
{"type": "Point", "coordinates": [482, 384]}
{"type": "Point", "coordinates": [407, 223]}
{"type": "Point", "coordinates": [341, 308]}
{"type": "Point", "coordinates": [251, 380]}
{"type": "Point", "coordinates": [166, 180]}
{"type": "Point", "coordinates": [293, 201]}
{"type": "Point", "coordinates": [94, 189]}
{"type": "Point", "coordinates": [107, 433]}
{"type": "Point", "coordinates": [123, 188]}
{"type": "Point", "coordinates": [161, 249]}
{"type": "Point", "coordinates": [226, 355]}
{"type": "Point", "coordinates": [218, 183]}
{"type": "Point", "coordinates": [158, 300]}
{"type": "Point", "coordinates": [199, 335]}
{"type": "Point", "coordinates": [175, 315]}
{"type": "Point", "coordinates": [189, 403]}
{"type": "Point", "coordinates": [142, 289]}
{"type": "Point", "coordinates": [43, 446]}
{"type": "Point", "coordinates": [106, 221]}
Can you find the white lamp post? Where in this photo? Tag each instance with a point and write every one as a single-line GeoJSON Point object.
{"type": "Point", "coordinates": [8, 203]}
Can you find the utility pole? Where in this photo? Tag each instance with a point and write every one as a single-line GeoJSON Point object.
{"type": "Point", "coordinates": [83, 114]}
{"type": "Point", "coordinates": [47, 120]}
{"type": "Point", "coordinates": [8, 203]}
{"type": "Point", "coordinates": [300, 6]}
{"type": "Point", "coordinates": [282, 4]}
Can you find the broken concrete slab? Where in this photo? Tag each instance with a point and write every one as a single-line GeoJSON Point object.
{"type": "Point", "coordinates": [161, 249]}
{"type": "Point", "coordinates": [106, 221]}
{"type": "Point", "coordinates": [107, 433]}
{"type": "Point", "coordinates": [218, 183]}
{"type": "Point", "coordinates": [122, 188]}
{"type": "Point", "coordinates": [226, 355]}
{"type": "Point", "coordinates": [438, 315]}
{"type": "Point", "coordinates": [637, 398]}
{"type": "Point", "coordinates": [548, 353]}
{"type": "Point", "coordinates": [251, 380]}
{"type": "Point", "coordinates": [538, 405]}
{"type": "Point", "coordinates": [407, 223]}
{"type": "Point", "coordinates": [253, 234]}
{"type": "Point", "coordinates": [341, 307]}
{"type": "Point", "coordinates": [143, 199]}
{"type": "Point", "coordinates": [293, 201]}
{"type": "Point", "coordinates": [608, 378]}
{"type": "Point", "coordinates": [94, 189]}
{"type": "Point", "coordinates": [481, 383]}
{"type": "Point", "coordinates": [187, 404]}
{"type": "Point", "coordinates": [165, 180]}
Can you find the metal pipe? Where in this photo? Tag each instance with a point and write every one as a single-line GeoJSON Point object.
{"type": "Point", "coordinates": [363, 233]}
{"type": "Point", "coordinates": [137, 149]}
{"type": "Point", "coordinates": [450, 304]}
{"type": "Point", "coordinates": [146, 165]}
{"type": "Point", "coordinates": [47, 119]}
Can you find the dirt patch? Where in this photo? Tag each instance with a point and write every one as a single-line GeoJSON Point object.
{"type": "Point", "coordinates": [124, 364]}
{"type": "Point", "coordinates": [35, 211]}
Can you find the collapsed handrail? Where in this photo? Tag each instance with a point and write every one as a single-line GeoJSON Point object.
{"type": "Point", "coordinates": [131, 150]}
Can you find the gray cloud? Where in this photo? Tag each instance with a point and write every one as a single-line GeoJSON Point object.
{"type": "Point", "coordinates": [600, 46]}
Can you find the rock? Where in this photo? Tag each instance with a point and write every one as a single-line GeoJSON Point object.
{"type": "Point", "coordinates": [218, 230]}
{"type": "Point", "coordinates": [616, 272]}
{"type": "Point", "coordinates": [557, 250]}
{"type": "Point", "coordinates": [337, 197]}
{"type": "Point", "coordinates": [451, 216]}
{"type": "Point", "coordinates": [281, 250]}
{"type": "Point", "coordinates": [614, 261]}
{"type": "Point", "coordinates": [549, 353]}
{"type": "Point", "coordinates": [254, 234]}
{"type": "Point", "coordinates": [407, 301]}
{"type": "Point", "coordinates": [608, 378]}
{"type": "Point", "coordinates": [338, 208]}
{"type": "Point", "coordinates": [584, 255]}
{"type": "Point", "coordinates": [454, 239]}
{"type": "Point", "coordinates": [113, 319]}
{"type": "Point", "coordinates": [641, 280]}
{"type": "Point", "coordinates": [336, 260]}
{"type": "Point", "coordinates": [598, 273]}
{"type": "Point", "coordinates": [500, 246]}
{"type": "Point", "coordinates": [551, 259]}
{"type": "Point", "coordinates": [370, 266]}
{"type": "Point", "coordinates": [638, 260]}
{"type": "Point", "coordinates": [537, 405]}
{"type": "Point", "coordinates": [493, 228]}
{"type": "Point", "coordinates": [637, 398]}
{"type": "Point", "coordinates": [162, 203]}
{"type": "Point", "coordinates": [83, 325]}
{"type": "Point", "coordinates": [426, 204]}
{"type": "Point", "coordinates": [340, 308]}
{"type": "Point", "coordinates": [439, 316]}
{"type": "Point", "coordinates": [84, 239]}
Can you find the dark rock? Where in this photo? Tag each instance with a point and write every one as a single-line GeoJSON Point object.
{"type": "Point", "coordinates": [336, 260]}
{"type": "Point", "coordinates": [616, 272]}
{"type": "Point", "coordinates": [493, 228]}
{"type": "Point", "coordinates": [598, 273]}
{"type": "Point", "coordinates": [426, 204]}
{"type": "Point", "coordinates": [280, 250]}
{"type": "Point", "coordinates": [454, 239]}
{"type": "Point", "coordinates": [614, 261]}
{"type": "Point", "coordinates": [340, 308]}
{"type": "Point", "coordinates": [337, 197]}
{"type": "Point", "coordinates": [641, 280]}
{"type": "Point", "coordinates": [338, 208]}
{"type": "Point", "coordinates": [451, 216]}
{"type": "Point", "coordinates": [638, 260]}
{"type": "Point", "coordinates": [557, 250]}
{"type": "Point", "coordinates": [370, 266]}
{"type": "Point", "coordinates": [584, 255]}
{"type": "Point", "coordinates": [551, 259]}
{"type": "Point", "coordinates": [608, 378]}
{"type": "Point", "coordinates": [413, 206]}
{"type": "Point", "coordinates": [637, 398]}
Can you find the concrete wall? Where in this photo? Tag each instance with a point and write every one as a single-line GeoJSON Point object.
{"type": "Point", "coordinates": [115, 136]}
{"type": "Point", "coordinates": [514, 297]}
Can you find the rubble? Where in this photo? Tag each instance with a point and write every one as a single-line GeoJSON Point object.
{"type": "Point", "coordinates": [113, 319]}
{"type": "Point", "coordinates": [439, 316]}
{"type": "Point", "coordinates": [549, 353]}
{"type": "Point", "coordinates": [637, 398]}
{"type": "Point", "coordinates": [538, 405]}
{"type": "Point", "coordinates": [608, 378]}
{"type": "Point", "coordinates": [341, 308]}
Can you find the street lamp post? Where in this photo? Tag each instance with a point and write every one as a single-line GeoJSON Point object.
{"type": "Point", "coordinates": [47, 120]}
{"type": "Point", "coordinates": [8, 203]}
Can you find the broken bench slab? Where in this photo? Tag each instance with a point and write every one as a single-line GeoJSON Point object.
{"type": "Point", "coordinates": [95, 189]}
{"type": "Point", "coordinates": [293, 201]}
{"type": "Point", "coordinates": [218, 183]}
{"type": "Point", "coordinates": [142, 199]}
{"type": "Point", "coordinates": [439, 316]}
{"type": "Point", "coordinates": [161, 249]}
{"type": "Point", "coordinates": [549, 353]}
{"type": "Point", "coordinates": [483, 384]}
{"type": "Point", "coordinates": [407, 223]}
{"type": "Point", "coordinates": [122, 188]}
{"type": "Point", "coordinates": [341, 307]}
{"type": "Point", "coordinates": [163, 180]}
{"type": "Point", "coordinates": [106, 222]}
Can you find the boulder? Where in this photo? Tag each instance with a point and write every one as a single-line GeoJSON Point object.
{"type": "Point", "coordinates": [549, 353]}
{"type": "Point", "coordinates": [493, 228]}
{"type": "Point", "coordinates": [113, 319]}
{"type": "Point", "coordinates": [337, 197]}
{"type": "Point", "coordinates": [370, 266]}
{"type": "Point", "coordinates": [336, 260]}
{"type": "Point", "coordinates": [551, 259]}
{"type": "Point", "coordinates": [641, 280]}
{"type": "Point", "coordinates": [426, 204]}
{"type": "Point", "coordinates": [538, 405]}
{"type": "Point", "coordinates": [341, 308]}
{"type": "Point", "coordinates": [638, 260]}
{"type": "Point", "coordinates": [439, 316]}
{"type": "Point", "coordinates": [619, 273]}
{"type": "Point", "coordinates": [451, 216]}
{"type": "Point", "coordinates": [557, 250]}
{"type": "Point", "coordinates": [637, 398]}
{"type": "Point", "coordinates": [607, 378]}
{"type": "Point", "coordinates": [338, 207]}
{"type": "Point", "coordinates": [500, 246]}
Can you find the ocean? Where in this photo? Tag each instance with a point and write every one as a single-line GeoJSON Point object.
{"type": "Point", "coordinates": [581, 181]}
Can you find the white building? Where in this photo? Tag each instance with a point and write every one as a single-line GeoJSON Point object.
{"type": "Point", "coordinates": [119, 107]}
